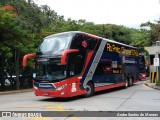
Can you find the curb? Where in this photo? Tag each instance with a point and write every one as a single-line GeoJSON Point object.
{"type": "Point", "coordinates": [151, 86]}
{"type": "Point", "coordinates": [16, 91]}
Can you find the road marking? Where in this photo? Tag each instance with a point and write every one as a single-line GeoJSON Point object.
{"type": "Point", "coordinates": [58, 107]}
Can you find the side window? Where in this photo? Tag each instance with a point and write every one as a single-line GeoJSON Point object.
{"type": "Point", "coordinates": [91, 43]}
{"type": "Point", "coordinates": [78, 42]}
{"type": "Point", "coordinates": [75, 69]}
{"type": "Point", "coordinates": [72, 69]}
{"type": "Point", "coordinates": [75, 63]}
{"type": "Point", "coordinates": [83, 42]}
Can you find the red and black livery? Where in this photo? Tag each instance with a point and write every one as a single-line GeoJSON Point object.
{"type": "Point", "coordinates": [76, 63]}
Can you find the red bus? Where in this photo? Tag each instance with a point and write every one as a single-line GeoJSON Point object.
{"type": "Point", "coordinates": [76, 63]}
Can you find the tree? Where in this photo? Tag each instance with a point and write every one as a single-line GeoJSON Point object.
{"type": "Point", "coordinates": [115, 32]}
{"type": "Point", "coordinates": [153, 33]}
{"type": "Point", "coordinates": [13, 38]}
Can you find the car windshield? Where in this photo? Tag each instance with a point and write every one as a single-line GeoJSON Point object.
{"type": "Point", "coordinates": [51, 71]}
{"type": "Point", "coordinates": [55, 43]}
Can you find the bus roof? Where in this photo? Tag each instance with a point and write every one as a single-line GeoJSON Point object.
{"type": "Point", "coordinates": [111, 41]}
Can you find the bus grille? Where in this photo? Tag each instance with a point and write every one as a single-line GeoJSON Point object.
{"type": "Point", "coordinates": [44, 86]}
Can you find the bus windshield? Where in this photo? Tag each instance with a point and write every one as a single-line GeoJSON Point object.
{"type": "Point", "coordinates": [55, 43]}
{"type": "Point", "coordinates": [50, 71]}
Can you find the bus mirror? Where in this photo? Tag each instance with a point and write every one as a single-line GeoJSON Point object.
{"type": "Point", "coordinates": [26, 57]}
{"type": "Point", "coordinates": [65, 53]}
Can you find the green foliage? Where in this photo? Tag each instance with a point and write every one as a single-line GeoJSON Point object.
{"type": "Point", "coordinates": [139, 38]}
{"type": "Point", "coordinates": [88, 27]}
{"type": "Point", "coordinates": [153, 34]}
{"type": "Point", "coordinates": [13, 36]}
{"type": "Point", "coordinates": [115, 32]}
{"type": "Point", "coordinates": [158, 83]}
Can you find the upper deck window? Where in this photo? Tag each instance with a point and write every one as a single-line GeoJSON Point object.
{"type": "Point", "coordinates": [83, 42]}
{"type": "Point", "coordinates": [55, 43]}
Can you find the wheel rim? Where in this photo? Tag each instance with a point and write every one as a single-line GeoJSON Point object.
{"type": "Point", "coordinates": [88, 89]}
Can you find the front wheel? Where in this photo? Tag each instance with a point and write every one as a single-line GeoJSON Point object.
{"type": "Point", "coordinates": [89, 90]}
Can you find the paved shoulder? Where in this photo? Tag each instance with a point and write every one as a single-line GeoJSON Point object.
{"type": "Point", "coordinates": [16, 91]}
{"type": "Point", "coordinates": [152, 85]}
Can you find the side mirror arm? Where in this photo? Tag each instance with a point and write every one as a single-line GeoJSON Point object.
{"type": "Point", "coordinates": [24, 62]}
{"type": "Point", "coordinates": [65, 53]}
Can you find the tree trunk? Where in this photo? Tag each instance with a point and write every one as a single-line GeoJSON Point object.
{"type": "Point", "coordinates": [17, 69]}
{"type": "Point", "coordinates": [2, 74]}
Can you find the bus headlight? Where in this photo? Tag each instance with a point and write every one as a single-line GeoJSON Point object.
{"type": "Point", "coordinates": [35, 87]}
{"type": "Point", "coordinates": [143, 75]}
{"type": "Point", "coordinates": [62, 87]}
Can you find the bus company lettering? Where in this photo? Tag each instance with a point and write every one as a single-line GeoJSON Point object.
{"type": "Point", "coordinates": [116, 71]}
{"type": "Point", "coordinates": [131, 61]}
{"type": "Point", "coordinates": [113, 48]}
{"type": "Point", "coordinates": [117, 49]}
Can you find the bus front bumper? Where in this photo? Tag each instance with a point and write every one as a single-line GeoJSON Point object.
{"type": "Point", "coordinates": [51, 93]}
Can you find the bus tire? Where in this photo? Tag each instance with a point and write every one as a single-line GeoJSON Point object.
{"type": "Point", "coordinates": [89, 89]}
{"type": "Point", "coordinates": [130, 81]}
{"type": "Point", "coordinates": [126, 83]}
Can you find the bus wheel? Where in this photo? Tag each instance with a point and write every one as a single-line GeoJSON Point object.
{"type": "Point", "coordinates": [126, 83]}
{"type": "Point", "coordinates": [130, 82]}
{"type": "Point", "coordinates": [89, 90]}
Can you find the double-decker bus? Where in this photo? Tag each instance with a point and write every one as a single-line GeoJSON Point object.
{"type": "Point", "coordinates": [77, 63]}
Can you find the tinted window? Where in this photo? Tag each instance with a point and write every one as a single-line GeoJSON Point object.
{"type": "Point", "coordinates": [77, 42]}
{"type": "Point", "coordinates": [83, 42]}
{"type": "Point", "coordinates": [91, 43]}
{"type": "Point", "coordinates": [75, 63]}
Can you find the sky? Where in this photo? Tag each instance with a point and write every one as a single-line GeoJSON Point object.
{"type": "Point", "coordinates": [130, 13]}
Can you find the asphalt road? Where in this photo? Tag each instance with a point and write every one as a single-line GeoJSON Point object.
{"type": "Point", "coordinates": [136, 98]}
